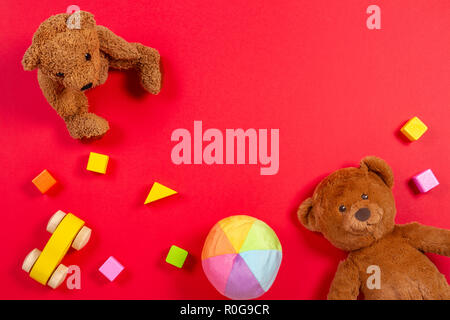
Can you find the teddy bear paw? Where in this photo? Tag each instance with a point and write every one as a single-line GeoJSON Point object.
{"type": "Point", "coordinates": [87, 126]}
{"type": "Point", "coordinates": [149, 69]}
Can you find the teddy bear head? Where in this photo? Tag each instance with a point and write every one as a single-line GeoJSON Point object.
{"type": "Point", "coordinates": [352, 207]}
{"type": "Point", "coordinates": [66, 48]}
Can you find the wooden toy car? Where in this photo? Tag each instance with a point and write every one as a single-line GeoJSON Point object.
{"type": "Point", "coordinates": [67, 231]}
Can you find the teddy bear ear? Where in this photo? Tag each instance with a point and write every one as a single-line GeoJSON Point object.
{"type": "Point", "coordinates": [379, 167]}
{"type": "Point", "coordinates": [306, 216]}
{"type": "Point", "coordinates": [87, 20]}
{"type": "Point", "coordinates": [30, 59]}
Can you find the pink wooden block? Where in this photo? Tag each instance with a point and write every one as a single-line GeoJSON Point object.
{"type": "Point", "coordinates": [425, 181]}
{"type": "Point", "coordinates": [111, 268]}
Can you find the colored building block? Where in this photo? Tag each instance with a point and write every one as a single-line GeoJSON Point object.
{"type": "Point", "coordinates": [414, 129]}
{"type": "Point", "coordinates": [425, 181]}
{"type": "Point", "coordinates": [97, 162]}
{"type": "Point", "coordinates": [111, 268]}
{"type": "Point", "coordinates": [176, 256]}
{"type": "Point", "coordinates": [159, 191]}
{"type": "Point", "coordinates": [44, 181]}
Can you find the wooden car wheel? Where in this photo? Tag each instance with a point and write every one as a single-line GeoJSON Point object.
{"type": "Point", "coordinates": [82, 238]}
{"type": "Point", "coordinates": [30, 260]}
{"type": "Point", "coordinates": [58, 276]}
{"type": "Point", "coordinates": [55, 221]}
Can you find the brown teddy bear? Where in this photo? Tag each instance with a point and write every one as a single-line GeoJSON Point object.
{"type": "Point", "coordinates": [72, 59]}
{"type": "Point", "coordinates": [354, 209]}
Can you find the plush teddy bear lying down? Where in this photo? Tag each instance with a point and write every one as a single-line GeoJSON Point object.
{"type": "Point", "coordinates": [354, 209]}
{"type": "Point", "coordinates": [72, 60]}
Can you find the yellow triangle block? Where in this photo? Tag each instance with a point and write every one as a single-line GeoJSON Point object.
{"type": "Point", "coordinates": [159, 191]}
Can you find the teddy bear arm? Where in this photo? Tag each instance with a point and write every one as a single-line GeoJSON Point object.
{"type": "Point", "coordinates": [346, 282]}
{"type": "Point", "coordinates": [116, 47]}
{"type": "Point", "coordinates": [66, 102]}
{"type": "Point", "coordinates": [426, 238]}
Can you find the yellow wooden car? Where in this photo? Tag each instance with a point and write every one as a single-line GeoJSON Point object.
{"type": "Point", "coordinates": [45, 267]}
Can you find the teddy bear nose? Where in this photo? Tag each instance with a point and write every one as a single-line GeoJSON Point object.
{"type": "Point", "coordinates": [87, 86]}
{"type": "Point", "coordinates": [362, 214]}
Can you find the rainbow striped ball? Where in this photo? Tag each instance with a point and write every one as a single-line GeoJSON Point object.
{"type": "Point", "coordinates": [241, 257]}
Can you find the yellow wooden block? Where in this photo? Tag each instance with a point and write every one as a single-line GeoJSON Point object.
{"type": "Point", "coordinates": [414, 129]}
{"type": "Point", "coordinates": [97, 162]}
{"type": "Point", "coordinates": [56, 248]}
{"type": "Point", "coordinates": [159, 191]}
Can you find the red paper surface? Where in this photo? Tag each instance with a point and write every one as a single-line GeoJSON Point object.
{"type": "Point", "coordinates": [336, 91]}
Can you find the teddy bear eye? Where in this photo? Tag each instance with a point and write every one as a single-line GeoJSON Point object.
{"type": "Point", "coordinates": [342, 208]}
{"type": "Point", "coordinates": [87, 56]}
{"type": "Point", "coordinates": [364, 196]}
{"type": "Point", "coordinates": [60, 74]}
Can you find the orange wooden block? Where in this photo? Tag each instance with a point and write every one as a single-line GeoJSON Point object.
{"type": "Point", "coordinates": [44, 181]}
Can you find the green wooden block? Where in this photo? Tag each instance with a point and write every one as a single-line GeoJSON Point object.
{"type": "Point", "coordinates": [176, 256]}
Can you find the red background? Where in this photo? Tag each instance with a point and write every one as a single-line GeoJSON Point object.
{"type": "Point", "coordinates": [336, 90]}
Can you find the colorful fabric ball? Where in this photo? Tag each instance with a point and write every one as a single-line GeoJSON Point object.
{"type": "Point", "coordinates": [241, 257]}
